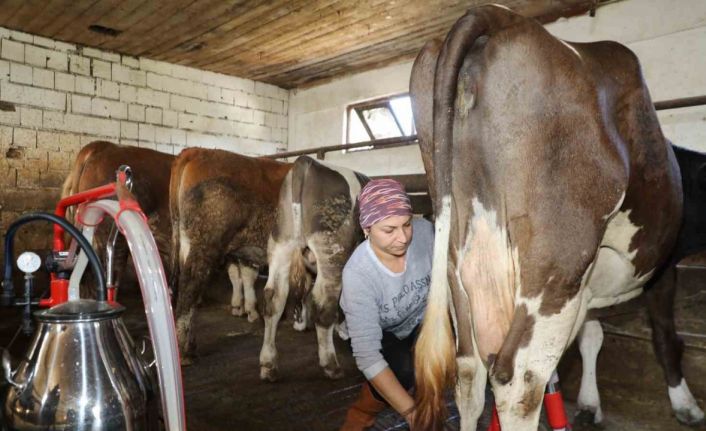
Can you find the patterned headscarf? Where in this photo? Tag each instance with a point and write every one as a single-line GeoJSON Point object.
{"type": "Point", "coordinates": [381, 199]}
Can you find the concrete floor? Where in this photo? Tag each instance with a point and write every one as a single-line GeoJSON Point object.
{"type": "Point", "coordinates": [224, 392]}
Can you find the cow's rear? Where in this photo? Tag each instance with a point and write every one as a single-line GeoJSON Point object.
{"type": "Point", "coordinates": [96, 164]}
{"type": "Point", "coordinates": [315, 233]}
{"type": "Point", "coordinates": [223, 207]}
{"type": "Point", "coordinates": [551, 173]}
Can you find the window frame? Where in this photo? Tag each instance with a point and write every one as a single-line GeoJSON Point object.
{"type": "Point", "coordinates": [381, 102]}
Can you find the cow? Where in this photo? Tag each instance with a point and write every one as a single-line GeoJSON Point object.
{"type": "Point", "coordinates": [223, 207]}
{"type": "Point", "coordinates": [96, 165]}
{"type": "Point", "coordinates": [555, 192]}
{"type": "Point", "coordinates": [668, 347]}
{"type": "Point", "coordinates": [315, 233]}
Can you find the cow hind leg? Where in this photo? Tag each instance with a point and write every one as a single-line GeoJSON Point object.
{"type": "Point", "coordinates": [590, 340]}
{"type": "Point", "coordinates": [326, 293]}
{"type": "Point", "coordinates": [236, 300]}
{"type": "Point", "coordinates": [249, 277]}
{"type": "Point", "coordinates": [327, 352]}
{"type": "Point", "coordinates": [195, 273]}
{"type": "Point", "coordinates": [275, 299]}
{"type": "Point", "coordinates": [669, 347]}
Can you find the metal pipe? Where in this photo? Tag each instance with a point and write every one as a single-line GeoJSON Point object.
{"type": "Point", "coordinates": [683, 102]}
{"type": "Point", "coordinates": [377, 145]}
{"type": "Point", "coordinates": [109, 256]}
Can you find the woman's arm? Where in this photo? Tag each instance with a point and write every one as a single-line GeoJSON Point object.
{"type": "Point", "coordinates": [390, 388]}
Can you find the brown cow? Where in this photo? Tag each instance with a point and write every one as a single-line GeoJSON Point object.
{"type": "Point", "coordinates": [96, 164]}
{"type": "Point", "coordinates": [555, 192]}
{"type": "Point", "coordinates": [223, 207]}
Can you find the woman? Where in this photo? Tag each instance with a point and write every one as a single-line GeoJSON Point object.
{"type": "Point", "coordinates": [385, 286]}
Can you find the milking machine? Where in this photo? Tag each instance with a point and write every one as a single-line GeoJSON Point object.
{"type": "Point", "coordinates": [82, 370]}
{"type": "Point", "coordinates": [553, 407]}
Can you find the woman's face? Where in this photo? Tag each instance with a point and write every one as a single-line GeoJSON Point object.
{"type": "Point", "coordinates": [391, 235]}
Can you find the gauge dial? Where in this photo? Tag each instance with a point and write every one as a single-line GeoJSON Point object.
{"type": "Point", "coordinates": [29, 262]}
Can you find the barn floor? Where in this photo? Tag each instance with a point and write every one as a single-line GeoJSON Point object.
{"type": "Point", "coordinates": [223, 390]}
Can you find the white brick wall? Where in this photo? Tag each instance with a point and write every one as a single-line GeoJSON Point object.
{"type": "Point", "coordinates": [65, 96]}
{"type": "Point", "coordinates": [62, 88]}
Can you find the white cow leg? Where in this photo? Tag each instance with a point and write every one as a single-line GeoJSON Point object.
{"type": "Point", "coordinates": [249, 276]}
{"type": "Point", "coordinates": [275, 298]}
{"type": "Point", "coordinates": [236, 300]}
{"type": "Point", "coordinates": [590, 339]}
{"type": "Point", "coordinates": [470, 390]}
{"type": "Point", "coordinates": [684, 404]}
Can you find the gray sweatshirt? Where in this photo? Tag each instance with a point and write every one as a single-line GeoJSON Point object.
{"type": "Point", "coordinates": [376, 299]}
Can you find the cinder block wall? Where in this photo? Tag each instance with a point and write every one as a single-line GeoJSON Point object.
{"type": "Point", "coordinates": [56, 97]}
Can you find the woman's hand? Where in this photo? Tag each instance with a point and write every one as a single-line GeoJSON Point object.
{"type": "Point", "coordinates": [409, 416]}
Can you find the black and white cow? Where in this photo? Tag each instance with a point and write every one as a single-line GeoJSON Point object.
{"type": "Point", "coordinates": [315, 233]}
{"type": "Point", "coordinates": [667, 345]}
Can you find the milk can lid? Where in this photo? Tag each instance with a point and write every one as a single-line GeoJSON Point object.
{"type": "Point", "coordinates": [81, 310]}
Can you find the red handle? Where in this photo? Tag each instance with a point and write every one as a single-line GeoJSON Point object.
{"type": "Point", "coordinates": [79, 198]}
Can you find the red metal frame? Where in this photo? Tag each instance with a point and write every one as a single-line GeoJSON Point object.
{"type": "Point", "coordinates": [59, 288]}
{"type": "Point", "coordinates": [94, 194]}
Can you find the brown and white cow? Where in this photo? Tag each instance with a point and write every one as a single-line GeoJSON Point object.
{"type": "Point", "coordinates": [96, 164]}
{"type": "Point", "coordinates": [223, 207]}
{"type": "Point", "coordinates": [555, 192]}
{"type": "Point", "coordinates": [316, 232]}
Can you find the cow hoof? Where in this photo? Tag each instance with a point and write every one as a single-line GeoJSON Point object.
{"type": "Point", "coordinates": [269, 373]}
{"type": "Point", "coordinates": [342, 331]}
{"type": "Point", "coordinates": [253, 316]}
{"type": "Point", "coordinates": [299, 326]}
{"type": "Point", "coordinates": [587, 420]}
{"type": "Point", "coordinates": [690, 416]}
{"type": "Point", "coordinates": [237, 311]}
{"type": "Point", "coordinates": [333, 373]}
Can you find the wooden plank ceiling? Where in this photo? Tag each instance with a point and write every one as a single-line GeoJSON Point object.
{"type": "Point", "coordinates": [291, 44]}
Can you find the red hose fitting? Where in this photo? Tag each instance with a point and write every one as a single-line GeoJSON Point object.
{"type": "Point", "coordinates": [554, 407]}
{"type": "Point", "coordinates": [494, 420]}
{"type": "Point", "coordinates": [59, 290]}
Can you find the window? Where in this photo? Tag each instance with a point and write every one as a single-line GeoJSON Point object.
{"type": "Point", "coordinates": [387, 120]}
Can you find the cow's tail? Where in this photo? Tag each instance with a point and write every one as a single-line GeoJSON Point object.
{"type": "Point", "coordinates": [73, 179]}
{"type": "Point", "coordinates": [435, 365]}
{"type": "Point", "coordinates": [178, 166]}
{"type": "Point", "coordinates": [299, 277]}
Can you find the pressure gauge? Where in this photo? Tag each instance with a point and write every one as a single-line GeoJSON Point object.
{"type": "Point", "coordinates": [29, 262]}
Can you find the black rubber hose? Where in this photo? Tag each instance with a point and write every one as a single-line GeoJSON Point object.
{"type": "Point", "coordinates": [68, 227]}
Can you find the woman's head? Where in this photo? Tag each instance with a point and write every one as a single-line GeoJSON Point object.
{"type": "Point", "coordinates": [386, 216]}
